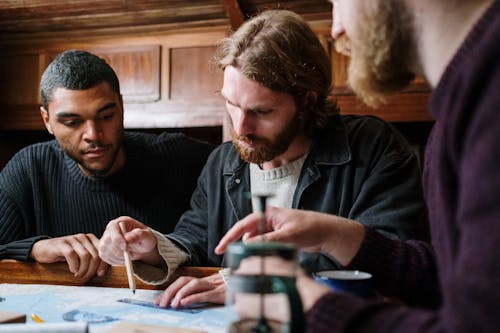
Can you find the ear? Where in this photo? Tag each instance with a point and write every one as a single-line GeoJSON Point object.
{"type": "Point", "coordinates": [45, 117]}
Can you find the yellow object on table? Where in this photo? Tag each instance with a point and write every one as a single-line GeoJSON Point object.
{"type": "Point", "coordinates": [37, 319]}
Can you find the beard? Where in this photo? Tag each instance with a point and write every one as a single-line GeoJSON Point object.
{"type": "Point", "coordinates": [381, 56]}
{"type": "Point", "coordinates": [342, 45]}
{"type": "Point", "coordinates": [266, 149]}
{"type": "Point", "coordinates": [101, 172]}
{"type": "Point", "coordinates": [104, 169]}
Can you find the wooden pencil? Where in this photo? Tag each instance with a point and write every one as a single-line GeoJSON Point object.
{"type": "Point", "coordinates": [128, 262]}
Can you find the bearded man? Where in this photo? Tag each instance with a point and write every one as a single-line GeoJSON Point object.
{"type": "Point", "coordinates": [451, 284]}
{"type": "Point", "coordinates": [288, 141]}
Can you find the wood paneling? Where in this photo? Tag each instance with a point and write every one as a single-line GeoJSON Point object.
{"type": "Point", "coordinates": [20, 117]}
{"type": "Point", "coordinates": [404, 107]}
{"type": "Point", "coordinates": [137, 68]}
{"type": "Point", "coordinates": [166, 79]}
{"type": "Point", "coordinates": [192, 74]}
{"type": "Point", "coordinates": [19, 78]}
{"type": "Point", "coordinates": [21, 19]}
{"type": "Point", "coordinates": [25, 17]}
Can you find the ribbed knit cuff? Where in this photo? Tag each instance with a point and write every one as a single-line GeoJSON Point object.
{"type": "Point", "coordinates": [21, 249]}
{"type": "Point", "coordinates": [171, 254]}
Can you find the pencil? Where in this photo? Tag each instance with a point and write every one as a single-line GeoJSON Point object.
{"type": "Point", "coordinates": [128, 263]}
{"type": "Point", "coordinates": [36, 319]}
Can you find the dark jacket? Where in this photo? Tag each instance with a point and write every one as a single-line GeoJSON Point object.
{"type": "Point", "coordinates": [359, 167]}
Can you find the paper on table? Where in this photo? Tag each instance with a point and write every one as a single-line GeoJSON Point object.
{"type": "Point", "coordinates": [45, 328]}
{"type": "Point", "coordinates": [129, 327]}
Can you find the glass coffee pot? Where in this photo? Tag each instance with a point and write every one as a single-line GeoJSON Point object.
{"type": "Point", "coordinates": [261, 287]}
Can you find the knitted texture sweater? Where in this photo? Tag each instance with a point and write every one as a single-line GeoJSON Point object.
{"type": "Point", "coordinates": [455, 289]}
{"type": "Point", "coordinates": [44, 194]}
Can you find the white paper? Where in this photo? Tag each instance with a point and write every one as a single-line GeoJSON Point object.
{"type": "Point", "coordinates": [45, 328]}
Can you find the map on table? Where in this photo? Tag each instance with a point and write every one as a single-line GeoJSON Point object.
{"type": "Point", "coordinates": [102, 307]}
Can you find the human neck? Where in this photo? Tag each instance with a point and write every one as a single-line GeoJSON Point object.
{"type": "Point", "coordinates": [299, 146]}
{"type": "Point", "coordinates": [441, 27]}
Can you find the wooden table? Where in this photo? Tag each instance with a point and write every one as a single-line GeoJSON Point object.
{"type": "Point", "coordinates": [13, 271]}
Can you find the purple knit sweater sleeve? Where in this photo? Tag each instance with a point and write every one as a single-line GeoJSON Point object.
{"type": "Point", "coordinates": [456, 288]}
{"type": "Point", "coordinates": [397, 268]}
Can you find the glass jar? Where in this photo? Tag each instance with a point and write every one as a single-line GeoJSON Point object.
{"type": "Point", "coordinates": [261, 288]}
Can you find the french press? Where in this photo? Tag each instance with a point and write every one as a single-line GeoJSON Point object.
{"type": "Point", "coordinates": [261, 286]}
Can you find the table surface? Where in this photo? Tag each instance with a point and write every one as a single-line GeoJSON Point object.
{"type": "Point", "coordinates": [50, 291]}
{"type": "Point", "coordinates": [13, 271]}
{"type": "Point", "coordinates": [104, 307]}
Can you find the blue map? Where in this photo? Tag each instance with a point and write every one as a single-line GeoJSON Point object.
{"type": "Point", "coordinates": [102, 307]}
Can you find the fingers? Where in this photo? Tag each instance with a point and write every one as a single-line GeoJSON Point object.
{"type": "Point", "coordinates": [141, 242]}
{"type": "Point", "coordinates": [113, 243]}
{"type": "Point", "coordinates": [249, 225]}
{"type": "Point", "coordinates": [138, 240]}
{"type": "Point", "coordinates": [167, 297]}
{"type": "Point", "coordinates": [82, 255]}
{"type": "Point", "coordinates": [216, 296]}
{"type": "Point", "coordinates": [188, 290]}
{"type": "Point", "coordinates": [102, 266]}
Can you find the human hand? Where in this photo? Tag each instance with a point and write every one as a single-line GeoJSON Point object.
{"type": "Point", "coordinates": [310, 231]}
{"type": "Point", "coordinates": [80, 251]}
{"type": "Point", "coordinates": [188, 290]}
{"type": "Point", "coordinates": [139, 241]}
{"type": "Point", "coordinates": [309, 290]}
{"type": "Point", "coordinates": [303, 228]}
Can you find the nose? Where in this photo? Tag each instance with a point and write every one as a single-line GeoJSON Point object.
{"type": "Point", "coordinates": [337, 27]}
{"type": "Point", "coordinates": [92, 131]}
{"type": "Point", "coordinates": [242, 123]}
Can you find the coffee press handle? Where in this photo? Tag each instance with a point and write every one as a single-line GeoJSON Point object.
{"type": "Point", "coordinates": [285, 284]}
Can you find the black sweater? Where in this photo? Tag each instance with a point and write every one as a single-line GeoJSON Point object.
{"type": "Point", "coordinates": [44, 194]}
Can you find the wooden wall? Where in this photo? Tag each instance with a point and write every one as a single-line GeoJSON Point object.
{"type": "Point", "coordinates": [167, 82]}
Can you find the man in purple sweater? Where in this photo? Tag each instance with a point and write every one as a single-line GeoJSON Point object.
{"type": "Point", "coordinates": [453, 285]}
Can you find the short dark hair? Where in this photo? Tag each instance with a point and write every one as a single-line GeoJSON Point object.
{"type": "Point", "coordinates": [76, 70]}
{"type": "Point", "coordinates": [278, 49]}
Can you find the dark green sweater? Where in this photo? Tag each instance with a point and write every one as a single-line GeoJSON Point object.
{"type": "Point", "coordinates": [44, 194]}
